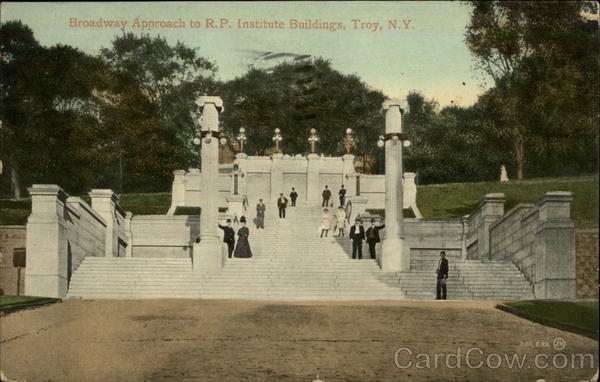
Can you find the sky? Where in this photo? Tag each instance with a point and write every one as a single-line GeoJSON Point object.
{"type": "Point", "coordinates": [424, 50]}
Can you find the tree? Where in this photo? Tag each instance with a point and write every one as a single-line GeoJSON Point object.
{"type": "Point", "coordinates": [47, 94]}
{"type": "Point", "coordinates": [149, 113]}
{"type": "Point", "coordinates": [298, 96]}
{"type": "Point", "coordinates": [529, 48]}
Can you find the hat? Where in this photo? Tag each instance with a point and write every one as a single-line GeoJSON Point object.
{"type": "Point", "coordinates": [243, 219]}
{"type": "Point", "coordinates": [357, 220]}
{"type": "Point", "coordinates": [228, 220]}
{"type": "Point", "coordinates": [372, 220]}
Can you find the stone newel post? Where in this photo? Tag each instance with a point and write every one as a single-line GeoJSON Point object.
{"type": "Point", "coordinates": [207, 255]}
{"type": "Point", "coordinates": [394, 256]}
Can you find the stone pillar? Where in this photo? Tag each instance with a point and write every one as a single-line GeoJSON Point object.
{"type": "Point", "coordinates": [491, 208]}
{"type": "Point", "coordinates": [177, 191]}
{"type": "Point", "coordinates": [128, 234]}
{"type": "Point", "coordinates": [359, 206]}
{"type": "Point", "coordinates": [313, 191]}
{"type": "Point", "coordinates": [347, 171]}
{"type": "Point", "coordinates": [104, 202]}
{"type": "Point", "coordinates": [351, 185]}
{"type": "Point", "coordinates": [235, 205]}
{"type": "Point", "coordinates": [46, 271]}
{"type": "Point", "coordinates": [276, 176]}
{"type": "Point", "coordinates": [394, 257]}
{"type": "Point", "coordinates": [554, 248]}
{"type": "Point", "coordinates": [207, 255]}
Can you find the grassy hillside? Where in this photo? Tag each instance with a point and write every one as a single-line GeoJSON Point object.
{"type": "Point", "coordinates": [435, 201]}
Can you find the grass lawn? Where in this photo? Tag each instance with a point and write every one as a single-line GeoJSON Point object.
{"type": "Point", "coordinates": [582, 316]}
{"type": "Point", "coordinates": [12, 303]}
{"type": "Point", "coordinates": [442, 201]}
{"type": "Point", "coordinates": [459, 199]}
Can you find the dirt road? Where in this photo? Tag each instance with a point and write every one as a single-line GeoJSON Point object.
{"type": "Point", "coordinates": [195, 340]}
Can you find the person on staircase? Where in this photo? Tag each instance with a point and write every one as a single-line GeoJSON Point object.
{"type": "Point", "coordinates": [442, 277]}
{"type": "Point", "coordinates": [342, 195]}
{"type": "Point", "coordinates": [228, 237]}
{"type": "Point", "coordinates": [326, 223]}
{"type": "Point", "coordinates": [373, 237]}
{"type": "Point", "coordinates": [340, 218]}
{"type": "Point", "coordinates": [242, 250]}
{"type": "Point", "coordinates": [357, 234]}
{"type": "Point", "coordinates": [260, 214]}
{"type": "Point", "coordinates": [282, 205]}
{"type": "Point", "coordinates": [326, 196]}
{"type": "Point", "coordinates": [293, 197]}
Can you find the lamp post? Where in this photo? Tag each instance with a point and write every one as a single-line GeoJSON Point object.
{"type": "Point", "coordinates": [313, 139]}
{"type": "Point", "coordinates": [242, 138]}
{"type": "Point", "coordinates": [277, 138]}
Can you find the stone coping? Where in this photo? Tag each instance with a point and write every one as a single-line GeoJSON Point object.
{"type": "Point", "coordinates": [511, 212]}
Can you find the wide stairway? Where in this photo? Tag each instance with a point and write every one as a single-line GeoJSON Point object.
{"type": "Point", "coordinates": [290, 262]}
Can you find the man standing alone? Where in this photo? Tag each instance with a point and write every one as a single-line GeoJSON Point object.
{"type": "Point", "coordinates": [373, 237]}
{"type": "Point", "coordinates": [326, 196]}
{"type": "Point", "coordinates": [442, 276]}
{"type": "Point", "coordinates": [357, 234]}
{"type": "Point", "coordinates": [228, 237]}
{"type": "Point", "coordinates": [260, 214]}
{"type": "Point", "coordinates": [282, 204]}
{"type": "Point", "coordinates": [293, 197]}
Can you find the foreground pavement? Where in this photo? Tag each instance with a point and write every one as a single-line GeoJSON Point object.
{"type": "Point", "coordinates": [233, 340]}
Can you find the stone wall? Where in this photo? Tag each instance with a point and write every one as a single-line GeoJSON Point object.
{"type": "Point", "coordinates": [11, 237]}
{"type": "Point", "coordinates": [63, 230]}
{"type": "Point", "coordinates": [432, 236]}
{"type": "Point", "coordinates": [164, 236]}
{"type": "Point", "coordinates": [539, 239]}
{"type": "Point", "coordinates": [266, 177]}
{"type": "Point", "coordinates": [587, 263]}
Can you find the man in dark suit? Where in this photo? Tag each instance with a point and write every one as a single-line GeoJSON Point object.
{"type": "Point", "coordinates": [326, 195]}
{"type": "Point", "coordinates": [293, 197]}
{"type": "Point", "coordinates": [282, 205]}
{"type": "Point", "coordinates": [228, 237]}
{"type": "Point", "coordinates": [357, 234]}
{"type": "Point", "coordinates": [442, 276]}
{"type": "Point", "coordinates": [373, 237]}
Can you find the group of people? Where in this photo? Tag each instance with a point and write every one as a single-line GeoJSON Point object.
{"type": "Point", "coordinates": [357, 234]}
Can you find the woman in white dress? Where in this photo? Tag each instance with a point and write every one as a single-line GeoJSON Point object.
{"type": "Point", "coordinates": [341, 221]}
{"type": "Point", "coordinates": [326, 224]}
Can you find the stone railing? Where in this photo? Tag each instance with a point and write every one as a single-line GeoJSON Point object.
{"type": "Point", "coordinates": [540, 240]}
{"type": "Point", "coordinates": [63, 230]}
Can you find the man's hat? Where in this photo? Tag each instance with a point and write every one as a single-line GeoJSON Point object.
{"type": "Point", "coordinates": [228, 220]}
{"type": "Point", "coordinates": [357, 220]}
{"type": "Point", "coordinates": [243, 219]}
{"type": "Point", "coordinates": [372, 220]}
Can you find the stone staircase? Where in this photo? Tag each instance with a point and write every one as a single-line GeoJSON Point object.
{"type": "Point", "coordinates": [290, 262]}
{"type": "Point", "coordinates": [467, 280]}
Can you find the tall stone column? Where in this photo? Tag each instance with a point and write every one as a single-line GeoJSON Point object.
{"type": "Point", "coordinates": [207, 255]}
{"type": "Point", "coordinates": [313, 191]}
{"type": "Point", "coordinates": [395, 258]}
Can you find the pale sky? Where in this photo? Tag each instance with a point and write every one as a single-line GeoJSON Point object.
{"type": "Point", "coordinates": [426, 52]}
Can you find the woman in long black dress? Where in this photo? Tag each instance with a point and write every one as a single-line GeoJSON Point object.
{"type": "Point", "coordinates": [242, 248]}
